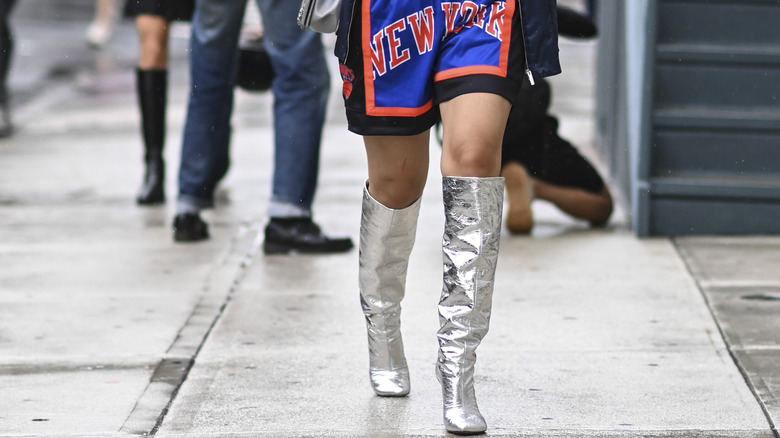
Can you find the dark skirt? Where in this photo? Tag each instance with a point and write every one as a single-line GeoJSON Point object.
{"type": "Point", "coordinates": [171, 10]}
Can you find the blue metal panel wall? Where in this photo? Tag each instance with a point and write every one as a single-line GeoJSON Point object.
{"type": "Point", "coordinates": [708, 155]}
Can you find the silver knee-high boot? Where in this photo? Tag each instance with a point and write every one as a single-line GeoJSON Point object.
{"type": "Point", "coordinates": [386, 240]}
{"type": "Point", "coordinates": [472, 227]}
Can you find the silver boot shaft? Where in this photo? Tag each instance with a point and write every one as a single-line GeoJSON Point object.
{"type": "Point", "coordinates": [386, 240]}
{"type": "Point", "coordinates": [473, 211]}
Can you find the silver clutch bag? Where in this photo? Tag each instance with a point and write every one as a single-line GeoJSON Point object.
{"type": "Point", "coordinates": [319, 15]}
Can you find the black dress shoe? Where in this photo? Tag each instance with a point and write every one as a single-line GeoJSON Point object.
{"type": "Point", "coordinates": [283, 236]}
{"type": "Point", "coordinates": [189, 227]}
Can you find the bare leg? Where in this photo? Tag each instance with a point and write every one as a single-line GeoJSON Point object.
{"type": "Point", "coordinates": [102, 27]}
{"type": "Point", "coordinates": [592, 207]}
{"type": "Point", "coordinates": [152, 90]}
{"type": "Point", "coordinates": [473, 127]}
{"type": "Point", "coordinates": [104, 11]}
{"type": "Point", "coordinates": [519, 194]}
{"type": "Point", "coordinates": [397, 168]}
{"type": "Point", "coordinates": [153, 42]}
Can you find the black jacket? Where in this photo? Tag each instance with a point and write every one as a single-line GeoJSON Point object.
{"type": "Point", "coordinates": [540, 33]}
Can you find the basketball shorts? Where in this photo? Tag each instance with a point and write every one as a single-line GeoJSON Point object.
{"type": "Point", "coordinates": [406, 57]}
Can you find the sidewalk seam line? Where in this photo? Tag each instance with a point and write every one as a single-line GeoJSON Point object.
{"type": "Point", "coordinates": [748, 381]}
{"type": "Point", "coordinates": [172, 371]}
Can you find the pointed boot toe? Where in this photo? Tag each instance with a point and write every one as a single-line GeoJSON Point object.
{"type": "Point", "coordinates": [390, 383]}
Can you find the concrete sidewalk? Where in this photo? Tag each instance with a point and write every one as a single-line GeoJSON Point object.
{"type": "Point", "coordinates": [108, 328]}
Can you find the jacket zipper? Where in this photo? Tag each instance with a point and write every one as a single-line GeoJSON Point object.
{"type": "Point", "coordinates": [525, 45]}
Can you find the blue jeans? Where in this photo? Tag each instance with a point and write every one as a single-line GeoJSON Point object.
{"type": "Point", "coordinates": [300, 87]}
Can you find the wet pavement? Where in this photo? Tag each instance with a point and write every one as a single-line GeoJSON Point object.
{"type": "Point", "coordinates": [109, 329]}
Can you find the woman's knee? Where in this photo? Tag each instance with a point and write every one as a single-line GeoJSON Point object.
{"type": "Point", "coordinates": [472, 159]}
{"type": "Point", "coordinates": [394, 192]}
{"type": "Point", "coordinates": [604, 209]}
{"type": "Point", "coordinates": [397, 168]}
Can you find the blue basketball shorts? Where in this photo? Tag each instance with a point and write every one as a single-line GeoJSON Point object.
{"type": "Point", "coordinates": [406, 57]}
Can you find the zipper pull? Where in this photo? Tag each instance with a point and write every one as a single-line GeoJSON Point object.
{"type": "Point", "coordinates": [530, 76]}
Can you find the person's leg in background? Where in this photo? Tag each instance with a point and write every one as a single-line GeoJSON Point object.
{"type": "Point", "coordinates": [216, 25]}
{"type": "Point", "coordinates": [301, 88]}
{"type": "Point", "coordinates": [594, 207]}
{"type": "Point", "coordinates": [152, 91]}
{"type": "Point", "coordinates": [6, 53]}
{"type": "Point", "coordinates": [101, 29]}
{"type": "Point", "coordinates": [520, 194]}
{"type": "Point", "coordinates": [537, 163]}
{"type": "Point", "coordinates": [542, 165]}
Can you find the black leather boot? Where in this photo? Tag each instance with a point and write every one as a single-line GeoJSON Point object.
{"type": "Point", "coordinates": [152, 89]}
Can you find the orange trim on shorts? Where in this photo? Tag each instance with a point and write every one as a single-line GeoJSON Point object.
{"type": "Point", "coordinates": [368, 69]}
{"type": "Point", "coordinates": [468, 71]}
{"type": "Point", "coordinates": [506, 37]}
{"type": "Point", "coordinates": [375, 111]}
